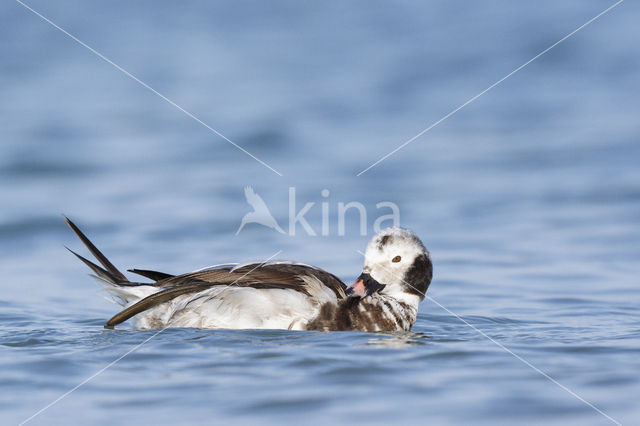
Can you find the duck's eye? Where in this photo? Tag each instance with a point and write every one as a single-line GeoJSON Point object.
{"type": "Point", "coordinates": [396, 259]}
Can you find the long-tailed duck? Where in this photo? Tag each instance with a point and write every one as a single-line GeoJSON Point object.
{"type": "Point", "coordinates": [277, 295]}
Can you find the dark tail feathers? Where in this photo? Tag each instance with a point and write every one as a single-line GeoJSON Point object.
{"type": "Point", "coordinates": [110, 272]}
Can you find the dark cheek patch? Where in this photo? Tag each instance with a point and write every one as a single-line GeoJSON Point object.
{"type": "Point", "coordinates": [419, 276]}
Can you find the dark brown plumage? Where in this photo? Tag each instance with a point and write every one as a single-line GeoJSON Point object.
{"type": "Point", "coordinates": [363, 314]}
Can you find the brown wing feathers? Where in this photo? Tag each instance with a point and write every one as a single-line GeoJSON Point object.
{"type": "Point", "coordinates": [155, 299]}
{"type": "Point", "coordinates": [199, 281]}
{"type": "Point", "coordinates": [278, 276]}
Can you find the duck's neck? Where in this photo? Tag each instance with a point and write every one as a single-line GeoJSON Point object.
{"type": "Point", "coordinates": [409, 299]}
{"type": "Point", "coordinates": [402, 310]}
{"type": "Point", "coordinates": [378, 312]}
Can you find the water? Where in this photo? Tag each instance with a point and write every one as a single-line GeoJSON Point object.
{"type": "Point", "coordinates": [528, 199]}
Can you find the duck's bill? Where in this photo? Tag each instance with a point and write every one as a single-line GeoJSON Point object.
{"type": "Point", "coordinates": [364, 285]}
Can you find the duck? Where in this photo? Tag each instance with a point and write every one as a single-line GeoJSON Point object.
{"type": "Point", "coordinates": [396, 275]}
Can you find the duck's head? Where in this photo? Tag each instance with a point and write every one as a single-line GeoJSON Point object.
{"type": "Point", "coordinates": [396, 264]}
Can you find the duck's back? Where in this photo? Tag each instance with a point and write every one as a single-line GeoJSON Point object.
{"type": "Point", "coordinates": [279, 295]}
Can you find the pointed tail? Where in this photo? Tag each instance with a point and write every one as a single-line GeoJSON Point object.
{"type": "Point", "coordinates": [110, 272]}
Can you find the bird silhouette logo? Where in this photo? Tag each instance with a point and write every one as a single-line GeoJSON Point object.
{"type": "Point", "coordinates": [260, 213]}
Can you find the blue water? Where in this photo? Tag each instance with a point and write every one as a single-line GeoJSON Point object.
{"type": "Point", "coordinates": [528, 198]}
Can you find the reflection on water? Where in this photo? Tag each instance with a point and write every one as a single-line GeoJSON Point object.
{"type": "Point", "coordinates": [399, 340]}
